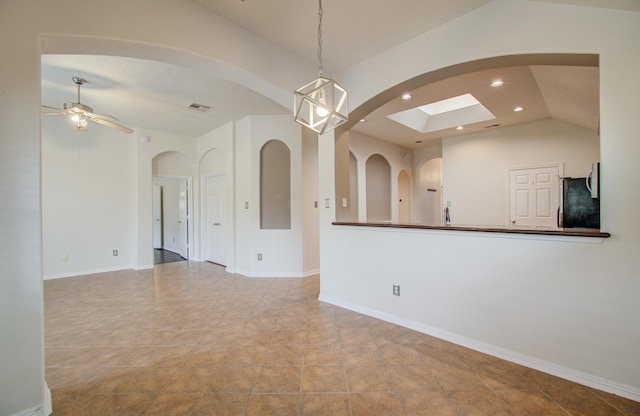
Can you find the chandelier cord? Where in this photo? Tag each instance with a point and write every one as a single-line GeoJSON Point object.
{"type": "Point", "coordinates": [320, 12]}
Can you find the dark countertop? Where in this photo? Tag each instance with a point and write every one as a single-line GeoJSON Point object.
{"type": "Point", "coordinates": [565, 232]}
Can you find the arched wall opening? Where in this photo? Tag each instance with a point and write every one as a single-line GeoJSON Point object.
{"type": "Point", "coordinates": [172, 203]}
{"type": "Point", "coordinates": [532, 143]}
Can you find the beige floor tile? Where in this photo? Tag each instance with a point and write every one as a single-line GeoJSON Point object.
{"type": "Point", "coordinates": [426, 403]}
{"type": "Point", "coordinates": [273, 405]}
{"type": "Point", "coordinates": [121, 404]}
{"type": "Point", "coordinates": [530, 403]}
{"type": "Point", "coordinates": [579, 400]}
{"type": "Point", "coordinates": [323, 379]}
{"type": "Point", "coordinates": [325, 405]}
{"type": "Point", "coordinates": [221, 404]}
{"type": "Point", "coordinates": [457, 379]}
{"type": "Point", "coordinates": [359, 354]}
{"type": "Point", "coordinates": [368, 378]}
{"type": "Point", "coordinates": [279, 379]}
{"type": "Point", "coordinates": [284, 355]}
{"type": "Point", "coordinates": [399, 354]}
{"type": "Point", "coordinates": [412, 378]}
{"type": "Point", "coordinates": [189, 338]}
{"type": "Point", "coordinates": [323, 355]}
{"type": "Point", "coordinates": [172, 405]}
{"type": "Point", "coordinates": [375, 404]}
{"type": "Point", "coordinates": [233, 379]}
{"type": "Point", "coordinates": [479, 403]}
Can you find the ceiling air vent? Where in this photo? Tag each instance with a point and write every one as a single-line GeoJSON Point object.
{"type": "Point", "coordinates": [199, 107]}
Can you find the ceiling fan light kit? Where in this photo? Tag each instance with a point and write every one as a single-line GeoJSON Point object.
{"type": "Point", "coordinates": [322, 104]}
{"type": "Point", "coordinates": [80, 113]}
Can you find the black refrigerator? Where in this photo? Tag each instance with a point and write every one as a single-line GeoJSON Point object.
{"type": "Point", "coordinates": [579, 206]}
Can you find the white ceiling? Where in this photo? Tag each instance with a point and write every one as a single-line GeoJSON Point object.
{"type": "Point", "coordinates": [156, 95]}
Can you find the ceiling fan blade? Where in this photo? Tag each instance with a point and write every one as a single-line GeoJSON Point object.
{"type": "Point", "coordinates": [101, 116]}
{"type": "Point", "coordinates": [57, 112]}
{"type": "Point", "coordinates": [53, 108]}
{"type": "Point", "coordinates": [110, 124]}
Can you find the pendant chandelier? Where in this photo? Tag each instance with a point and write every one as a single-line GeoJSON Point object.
{"type": "Point", "coordinates": [321, 105]}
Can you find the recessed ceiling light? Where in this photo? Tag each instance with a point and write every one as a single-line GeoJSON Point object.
{"type": "Point", "coordinates": [518, 108]}
{"type": "Point", "coordinates": [363, 120]}
{"type": "Point", "coordinates": [460, 128]}
{"type": "Point", "coordinates": [497, 83]}
{"type": "Point", "coordinates": [406, 96]}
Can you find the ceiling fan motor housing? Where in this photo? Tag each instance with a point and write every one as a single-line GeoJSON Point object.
{"type": "Point", "coordinates": [78, 108]}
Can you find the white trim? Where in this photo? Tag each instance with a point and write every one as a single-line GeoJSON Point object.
{"type": "Point", "coordinates": [285, 275]}
{"type": "Point", "coordinates": [144, 267]}
{"type": "Point", "coordinates": [43, 409]}
{"type": "Point", "coordinates": [87, 272]}
{"type": "Point", "coordinates": [312, 272]}
{"type": "Point", "coordinates": [566, 373]}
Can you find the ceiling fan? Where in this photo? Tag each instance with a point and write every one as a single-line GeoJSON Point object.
{"type": "Point", "coordinates": [80, 113]}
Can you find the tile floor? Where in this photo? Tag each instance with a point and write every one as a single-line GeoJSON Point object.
{"type": "Point", "coordinates": [189, 339]}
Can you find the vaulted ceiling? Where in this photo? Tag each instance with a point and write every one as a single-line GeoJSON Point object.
{"type": "Point", "coordinates": [157, 95]}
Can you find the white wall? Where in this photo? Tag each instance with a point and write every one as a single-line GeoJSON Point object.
{"type": "Point", "coordinates": [87, 199]}
{"type": "Point", "coordinates": [281, 250]}
{"type": "Point", "coordinates": [475, 166]}
{"type": "Point", "coordinates": [561, 305]}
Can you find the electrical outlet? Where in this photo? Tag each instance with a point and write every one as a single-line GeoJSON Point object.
{"type": "Point", "coordinates": [65, 258]}
{"type": "Point", "coordinates": [259, 256]}
{"type": "Point", "coordinates": [115, 253]}
{"type": "Point", "coordinates": [396, 290]}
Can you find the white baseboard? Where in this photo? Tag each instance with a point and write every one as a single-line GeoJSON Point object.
{"type": "Point", "coordinates": [311, 273]}
{"type": "Point", "coordinates": [144, 267]}
{"type": "Point", "coordinates": [86, 272]}
{"type": "Point", "coordinates": [270, 274]}
{"type": "Point", "coordinates": [566, 373]}
{"type": "Point", "coordinates": [44, 409]}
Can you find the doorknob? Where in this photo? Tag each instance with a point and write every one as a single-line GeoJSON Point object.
{"type": "Point", "coordinates": [216, 223]}
{"type": "Point", "coordinates": [513, 222]}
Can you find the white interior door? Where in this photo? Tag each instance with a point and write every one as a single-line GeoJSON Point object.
{"type": "Point", "coordinates": [183, 219]}
{"type": "Point", "coordinates": [215, 219]}
{"type": "Point", "coordinates": [157, 216]}
{"type": "Point", "coordinates": [534, 196]}
{"type": "Point", "coordinates": [404, 198]}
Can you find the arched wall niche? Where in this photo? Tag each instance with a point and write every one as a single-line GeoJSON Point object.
{"type": "Point", "coordinates": [275, 185]}
{"type": "Point", "coordinates": [378, 185]}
